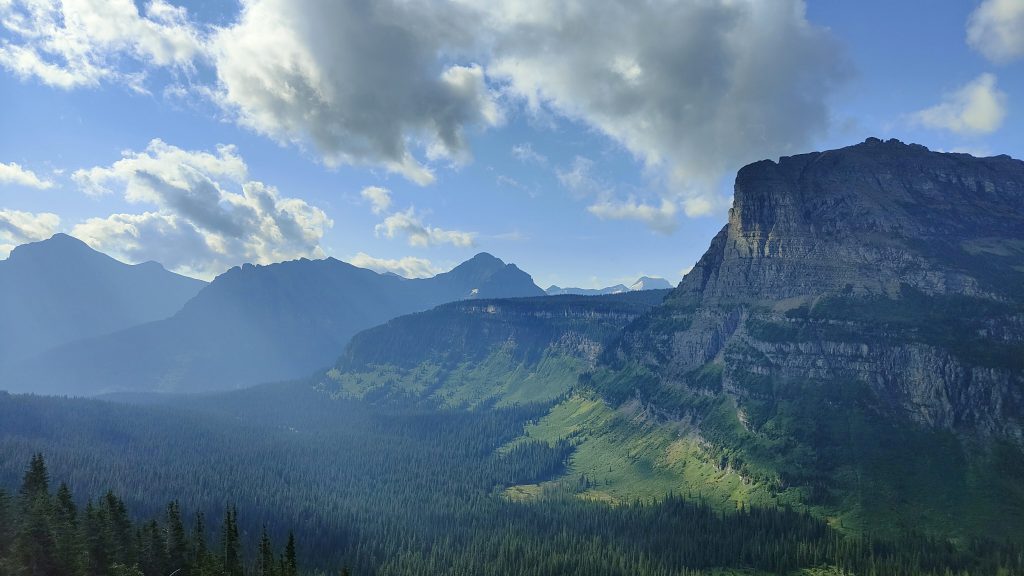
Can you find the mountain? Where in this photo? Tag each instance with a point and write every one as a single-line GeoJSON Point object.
{"type": "Point", "coordinates": [852, 342]}
{"type": "Point", "coordinates": [256, 324]}
{"type": "Point", "coordinates": [643, 283]}
{"type": "Point", "coordinates": [650, 283]}
{"type": "Point", "coordinates": [485, 352]}
{"type": "Point", "coordinates": [851, 345]}
{"type": "Point", "coordinates": [59, 290]}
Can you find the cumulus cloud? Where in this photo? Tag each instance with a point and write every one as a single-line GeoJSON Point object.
{"type": "Point", "coordinates": [208, 216]}
{"type": "Point", "coordinates": [996, 29]}
{"type": "Point", "coordinates": [69, 44]}
{"type": "Point", "coordinates": [410, 225]}
{"type": "Point", "coordinates": [979, 107]}
{"type": "Point", "coordinates": [18, 227]}
{"type": "Point", "coordinates": [13, 173]}
{"type": "Point", "coordinates": [692, 89]}
{"type": "Point", "coordinates": [408, 266]}
{"type": "Point", "coordinates": [362, 80]}
{"type": "Point", "coordinates": [661, 218]}
{"type": "Point", "coordinates": [379, 198]}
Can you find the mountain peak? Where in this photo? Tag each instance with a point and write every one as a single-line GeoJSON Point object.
{"type": "Point", "coordinates": [59, 245]}
{"type": "Point", "coordinates": [650, 283]}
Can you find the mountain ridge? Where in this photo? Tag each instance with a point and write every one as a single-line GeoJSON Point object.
{"type": "Point", "coordinates": [642, 283]}
{"type": "Point", "coordinates": [255, 324]}
{"type": "Point", "coordinates": [60, 290]}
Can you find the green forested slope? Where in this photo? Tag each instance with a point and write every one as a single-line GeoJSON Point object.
{"type": "Point", "coordinates": [389, 490]}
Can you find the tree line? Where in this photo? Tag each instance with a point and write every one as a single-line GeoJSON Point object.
{"type": "Point", "coordinates": [45, 533]}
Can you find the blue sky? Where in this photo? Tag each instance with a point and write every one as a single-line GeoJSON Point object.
{"type": "Point", "coordinates": [588, 142]}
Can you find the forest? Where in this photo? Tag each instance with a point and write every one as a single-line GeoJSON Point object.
{"type": "Point", "coordinates": [386, 490]}
{"type": "Point", "coordinates": [46, 533]}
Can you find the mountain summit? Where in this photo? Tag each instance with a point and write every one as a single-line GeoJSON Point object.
{"type": "Point", "coordinates": [851, 333]}
{"type": "Point", "coordinates": [256, 324]}
{"type": "Point", "coordinates": [642, 283]}
{"type": "Point", "coordinates": [59, 290]}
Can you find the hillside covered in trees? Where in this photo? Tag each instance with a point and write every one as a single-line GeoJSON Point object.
{"type": "Point", "coordinates": [391, 490]}
{"type": "Point", "coordinates": [48, 533]}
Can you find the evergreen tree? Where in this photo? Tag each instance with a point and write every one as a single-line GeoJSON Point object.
{"type": "Point", "coordinates": [6, 523]}
{"type": "Point", "coordinates": [34, 546]}
{"type": "Point", "coordinates": [177, 541]}
{"type": "Point", "coordinates": [231, 548]}
{"type": "Point", "coordinates": [267, 565]}
{"type": "Point", "coordinates": [119, 525]}
{"type": "Point", "coordinates": [152, 549]}
{"type": "Point", "coordinates": [66, 532]}
{"type": "Point", "coordinates": [290, 562]}
{"type": "Point", "coordinates": [37, 478]}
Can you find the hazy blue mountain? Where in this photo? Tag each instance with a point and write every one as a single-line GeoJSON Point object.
{"type": "Point", "coordinates": [650, 283]}
{"type": "Point", "coordinates": [643, 283]}
{"type": "Point", "coordinates": [256, 324]}
{"type": "Point", "coordinates": [59, 290]}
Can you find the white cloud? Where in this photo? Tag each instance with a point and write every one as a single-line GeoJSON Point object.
{"type": "Point", "coordinates": [363, 82]}
{"type": "Point", "coordinates": [979, 107]}
{"type": "Point", "coordinates": [661, 218]}
{"type": "Point", "coordinates": [692, 89]}
{"type": "Point", "coordinates": [525, 153]}
{"type": "Point", "coordinates": [75, 43]}
{"type": "Point", "coordinates": [18, 227]}
{"type": "Point", "coordinates": [379, 198]}
{"type": "Point", "coordinates": [13, 173]}
{"type": "Point", "coordinates": [578, 177]}
{"type": "Point", "coordinates": [408, 224]}
{"type": "Point", "coordinates": [208, 215]}
{"type": "Point", "coordinates": [408, 267]}
{"type": "Point", "coordinates": [996, 29]}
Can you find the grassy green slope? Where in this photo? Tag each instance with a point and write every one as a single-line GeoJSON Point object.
{"type": "Point", "coordinates": [484, 353]}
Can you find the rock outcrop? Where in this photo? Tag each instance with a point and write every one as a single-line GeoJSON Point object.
{"type": "Point", "coordinates": [883, 264]}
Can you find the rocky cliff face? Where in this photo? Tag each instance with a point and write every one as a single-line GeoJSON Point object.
{"type": "Point", "coordinates": [856, 298]}
{"type": "Point", "coordinates": [882, 263]}
{"type": "Point", "coordinates": [868, 218]}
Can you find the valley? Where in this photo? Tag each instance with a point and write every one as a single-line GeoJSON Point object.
{"type": "Point", "coordinates": [836, 388]}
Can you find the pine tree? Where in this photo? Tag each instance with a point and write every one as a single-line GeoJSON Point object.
{"type": "Point", "coordinates": [290, 563]}
{"type": "Point", "coordinates": [230, 544]}
{"type": "Point", "coordinates": [203, 562]}
{"type": "Point", "coordinates": [66, 533]}
{"type": "Point", "coordinates": [177, 541]}
{"type": "Point", "coordinates": [34, 545]}
{"type": "Point", "coordinates": [267, 565]}
{"type": "Point", "coordinates": [6, 523]}
{"type": "Point", "coordinates": [37, 479]}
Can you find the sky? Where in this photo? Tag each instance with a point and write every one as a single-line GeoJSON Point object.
{"type": "Point", "coordinates": [588, 141]}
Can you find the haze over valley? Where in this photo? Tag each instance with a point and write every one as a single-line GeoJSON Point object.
{"type": "Point", "coordinates": [697, 288]}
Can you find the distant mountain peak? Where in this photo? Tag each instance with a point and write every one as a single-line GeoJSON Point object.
{"type": "Point", "coordinates": [650, 283]}
{"type": "Point", "coordinates": [59, 245]}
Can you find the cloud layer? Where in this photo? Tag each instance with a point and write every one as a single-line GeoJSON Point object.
{"type": "Point", "coordinates": [361, 80]}
{"type": "Point", "coordinates": [996, 29]}
{"type": "Point", "coordinates": [693, 89]}
{"type": "Point", "coordinates": [408, 266]}
{"type": "Point", "coordinates": [85, 42]}
{"type": "Point", "coordinates": [207, 215]}
{"type": "Point", "coordinates": [18, 227]}
{"type": "Point", "coordinates": [410, 225]}
{"type": "Point", "coordinates": [13, 173]}
{"type": "Point", "coordinates": [977, 108]}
